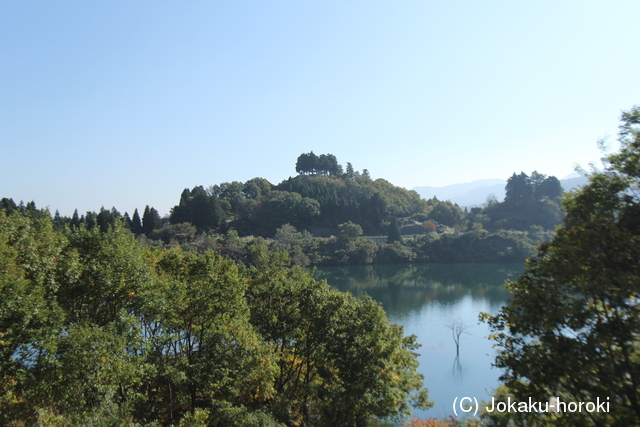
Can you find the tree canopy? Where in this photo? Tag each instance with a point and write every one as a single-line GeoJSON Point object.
{"type": "Point", "coordinates": [572, 328]}
{"type": "Point", "coordinates": [324, 164]}
{"type": "Point", "coordinates": [98, 329]}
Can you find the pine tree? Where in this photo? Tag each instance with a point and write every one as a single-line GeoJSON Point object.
{"type": "Point", "coordinates": [75, 220]}
{"type": "Point", "coordinates": [136, 224]}
{"type": "Point", "coordinates": [150, 220]}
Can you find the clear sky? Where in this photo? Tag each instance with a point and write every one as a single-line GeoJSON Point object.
{"type": "Point", "coordinates": [126, 103]}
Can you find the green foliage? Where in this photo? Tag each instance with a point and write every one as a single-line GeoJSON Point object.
{"type": "Point", "coordinates": [348, 232]}
{"type": "Point", "coordinates": [107, 219]}
{"type": "Point", "coordinates": [199, 208]}
{"type": "Point", "coordinates": [530, 200]}
{"type": "Point", "coordinates": [97, 330]}
{"type": "Point", "coordinates": [394, 231]}
{"type": "Point", "coordinates": [256, 187]}
{"type": "Point", "coordinates": [446, 213]}
{"type": "Point", "coordinates": [136, 223]}
{"type": "Point", "coordinates": [8, 205]}
{"type": "Point", "coordinates": [394, 253]}
{"type": "Point", "coordinates": [475, 246]}
{"type": "Point", "coordinates": [360, 200]}
{"type": "Point", "coordinates": [30, 317]}
{"type": "Point", "coordinates": [175, 233]}
{"type": "Point", "coordinates": [325, 164]}
{"type": "Point", "coordinates": [572, 327]}
{"type": "Point", "coordinates": [302, 247]}
{"type": "Point", "coordinates": [212, 353]}
{"type": "Point", "coordinates": [150, 221]}
{"type": "Point", "coordinates": [340, 361]}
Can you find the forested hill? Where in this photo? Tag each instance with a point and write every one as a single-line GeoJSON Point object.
{"type": "Point", "coordinates": [325, 200]}
{"type": "Point", "coordinates": [319, 199]}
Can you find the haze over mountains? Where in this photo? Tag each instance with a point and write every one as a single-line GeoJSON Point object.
{"type": "Point", "coordinates": [475, 193]}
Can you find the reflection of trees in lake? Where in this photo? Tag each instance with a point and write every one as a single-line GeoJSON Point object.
{"type": "Point", "coordinates": [456, 371]}
{"type": "Point", "coordinates": [404, 288]}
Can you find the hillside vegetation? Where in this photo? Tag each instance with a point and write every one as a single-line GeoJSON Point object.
{"type": "Point", "coordinates": [325, 216]}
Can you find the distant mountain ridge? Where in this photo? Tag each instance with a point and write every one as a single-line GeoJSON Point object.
{"type": "Point", "coordinates": [475, 193]}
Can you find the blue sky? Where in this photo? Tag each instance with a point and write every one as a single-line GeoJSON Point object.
{"type": "Point", "coordinates": [127, 103]}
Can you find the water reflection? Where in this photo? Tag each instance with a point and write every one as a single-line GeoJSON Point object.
{"type": "Point", "coordinates": [427, 299]}
{"type": "Point", "coordinates": [456, 371]}
{"type": "Point", "coordinates": [403, 289]}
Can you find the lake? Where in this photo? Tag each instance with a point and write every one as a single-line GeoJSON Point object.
{"type": "Point", "coordinates": [427, 299]}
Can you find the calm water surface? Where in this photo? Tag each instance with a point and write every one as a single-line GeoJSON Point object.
{"type": "Point", "coordinates": [426, 299]}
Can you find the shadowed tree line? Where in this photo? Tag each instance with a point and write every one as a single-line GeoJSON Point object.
{"type": "Point", "coordinates": [321, 217]}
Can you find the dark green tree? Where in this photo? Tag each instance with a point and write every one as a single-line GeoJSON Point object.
{"type": "Point", "coordinates": [328, 165]}
{"type": "Point", "coordinates": [150, 220]}
{"type": "Point", "coordinates": [394, 231]}
{"type": "Point", "coordinates": [549, 189]}
{"type": "Point", "coordinates": [180, 213]}
{"type": "Point", "coordinates": [75, 220]}
{"type": "Point", "coordinates": [530, 201]}
{"type": "Point", "coordinates": [8, 205]}
{"type": "Point", "coordinates": [58, 221]}
{"type": "Point", "coordinates": [350, 171]}
{"type": "Point", "coordinates": [348, 232]}
{"type": "Point", "coordinates": [136, 223]}
{"type": "Point", "coordinates": [256, 187]}
{"type": "Point", "coordinates": [103, 219]}
{"type": "Point", "coordinates": [90, 220]}
{"type": "Point", "coordinates": [572, 327]}
{"type": "Point", "coordinates": [519, 189]}
{"type": "Point", "coordinates": [447, 213]}
{"type": "Point", "coordinates": [200, 208]}
{"type": "Point", "coordinates": [307, 163]}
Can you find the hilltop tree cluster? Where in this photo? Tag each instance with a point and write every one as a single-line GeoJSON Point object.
{"type": "Point", "coordinates": [319, 203]}
{"type": "Point", "coordinates": [529, 200]}
{"type": "Point", "coordinates": [324, 164]}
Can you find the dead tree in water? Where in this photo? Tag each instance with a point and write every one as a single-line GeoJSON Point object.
{"type": "Point", "coordinates": [457, 328]}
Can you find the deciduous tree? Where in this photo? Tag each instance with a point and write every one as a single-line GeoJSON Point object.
{"type": "Point", "coordinates": [572, 328]}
